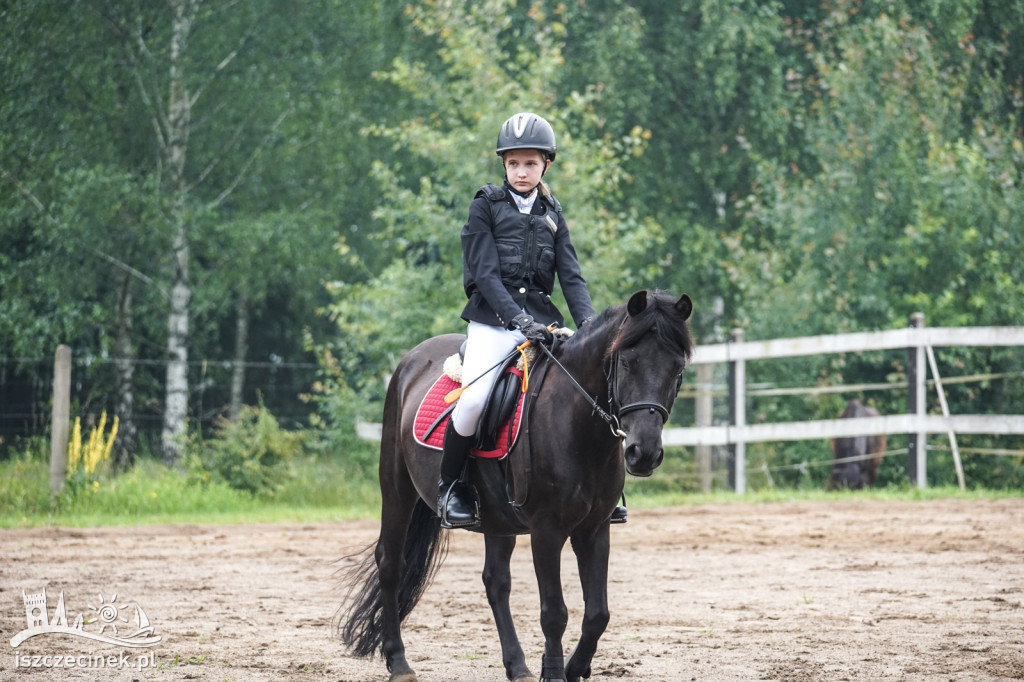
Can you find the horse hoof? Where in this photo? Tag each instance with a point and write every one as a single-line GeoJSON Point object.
{"type": "Point", "coordinates": [525, 678]}
{"type": "Point", "coordinates": [404, 677]}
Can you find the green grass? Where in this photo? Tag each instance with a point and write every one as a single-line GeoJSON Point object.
{"type": "Point", "coordinates": [766, 496]}
{"type": "Point", "coordinates": [319, 488]}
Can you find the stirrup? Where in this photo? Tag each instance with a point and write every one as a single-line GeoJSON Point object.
{"type": "Point", "coordinates": [468, 519]}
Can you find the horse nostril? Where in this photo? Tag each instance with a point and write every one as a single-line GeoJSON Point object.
{"type": "Point", "coordinates": [641, 462]}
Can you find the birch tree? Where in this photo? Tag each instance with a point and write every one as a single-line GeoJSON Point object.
{"type": "Point", "coordinates": [172, 133]}
{"type": "Point", "coordinates": [195, 190]}
{"type": "Point", "coordinates": [191, 161]}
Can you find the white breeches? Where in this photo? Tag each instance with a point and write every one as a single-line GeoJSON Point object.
{"type": "Point", "coordinates": [486, 346]}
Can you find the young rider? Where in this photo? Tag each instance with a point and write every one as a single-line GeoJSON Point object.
{"type": "Point", "coordinates": [514, 244]}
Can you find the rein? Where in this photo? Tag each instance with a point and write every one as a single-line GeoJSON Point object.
{"type": "Point", "coordinates": [611, 420]}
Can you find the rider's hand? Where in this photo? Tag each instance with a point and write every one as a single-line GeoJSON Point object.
{"type": "Point", "coordinates": [534, 332]}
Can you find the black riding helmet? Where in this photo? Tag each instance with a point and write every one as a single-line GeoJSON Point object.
{"type": "Point", "coordinates": [526, 131]}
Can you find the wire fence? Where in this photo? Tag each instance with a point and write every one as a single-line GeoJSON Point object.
{"type": "Point", "coordinates": [26, 386]}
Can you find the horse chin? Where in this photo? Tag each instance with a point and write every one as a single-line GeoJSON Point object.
{"type": "Point", "coordinates": [639, 474]}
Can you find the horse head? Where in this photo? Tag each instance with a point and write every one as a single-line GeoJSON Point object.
{"type": "Point", "coordinates": [645, 364]}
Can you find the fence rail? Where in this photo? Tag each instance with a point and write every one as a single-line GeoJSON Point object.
{"type": "Point", "coordinates": [844, 428]}
{"type": "Point", "coordinates": [916, 339]}
{"type": "Point", "coordinates": [857, 342]}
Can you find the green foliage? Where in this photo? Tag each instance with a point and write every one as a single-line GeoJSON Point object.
{"type": "Point", "coordinates": [322, 486]}
{"type": "Point", "coordinates": [251, 453]}
{"type": "Point", "coordinates": [480, 74]}
{"type": "Point", "coordinates": [341, 408]}
{"type": "Point", "coordinates": [25, 482]}
{"type": "Point", "coordinates": [150, 490]}
{"type": "Point", "coordinates": [147, 493]}
{"type": "Point", "coordinates": [905, 208]}
{"type": "Point", "coordinates": [331, 481]}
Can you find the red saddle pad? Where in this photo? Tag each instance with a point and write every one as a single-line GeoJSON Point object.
{"type": "Point", "coordinates": [433, 406]}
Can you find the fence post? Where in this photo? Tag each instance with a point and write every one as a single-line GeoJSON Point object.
{"type": "Point", "coordinates": [917, 373]}
{"type": "Point", "coordinates": [737, 417]}
{"type": "Point", "coordinates": [704, 410]}
{"type": "Point", "coordinates": [61, 418]}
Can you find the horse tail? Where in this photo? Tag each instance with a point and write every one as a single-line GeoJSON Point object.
{"type": "Point", "coordinates": [361, 623]}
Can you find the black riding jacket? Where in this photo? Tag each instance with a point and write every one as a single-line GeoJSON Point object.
{"type": "Point", "coordinates": [510, 260]}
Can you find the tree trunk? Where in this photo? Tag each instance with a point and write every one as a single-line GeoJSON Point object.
{"type": "Point", "coordinates": [178, 121]}
{"type": "Point", "coordinates": [176, 402]}
{"type": "Point", "coordinates": [127, 432]}
{"type": "Point", "coordinates": [241, 350]}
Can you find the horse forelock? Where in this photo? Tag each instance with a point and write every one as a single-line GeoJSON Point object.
{"type": "Point", "coordinates": [662, 318]}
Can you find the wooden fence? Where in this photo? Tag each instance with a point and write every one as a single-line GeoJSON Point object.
{"type": "Point", "coordinates": [918, 341]}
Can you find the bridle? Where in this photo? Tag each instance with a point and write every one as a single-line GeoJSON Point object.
{"type": "Point", "coordinates": [620, 410]}
{"type": "Point", "coordinates": [617, 410]}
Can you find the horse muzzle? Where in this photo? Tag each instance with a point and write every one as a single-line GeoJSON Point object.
{"type": "Point", "coordinates": [642, 455]}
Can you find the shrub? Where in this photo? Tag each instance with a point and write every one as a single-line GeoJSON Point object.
{"type": "Point", "coordinates": [250, 453]}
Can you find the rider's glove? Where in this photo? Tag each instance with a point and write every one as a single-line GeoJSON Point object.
{"type": "Point", "coordinates": [534, 332]}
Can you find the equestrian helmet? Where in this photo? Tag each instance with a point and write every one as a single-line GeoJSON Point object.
{"type": "Point", "coordinates": [526, 131]}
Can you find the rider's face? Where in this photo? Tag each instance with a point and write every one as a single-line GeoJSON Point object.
{"type": "Point", "coordinates": [524, 168]}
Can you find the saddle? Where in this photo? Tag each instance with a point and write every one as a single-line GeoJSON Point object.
{"type": "Point", "coordinates": [498, 428]}
{"type": "Point", "coordinates": [507, 411]}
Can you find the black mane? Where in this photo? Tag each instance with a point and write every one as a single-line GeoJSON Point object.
{"type": "Point", "coordinates": [623, 331]}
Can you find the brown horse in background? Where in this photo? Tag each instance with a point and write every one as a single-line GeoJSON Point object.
{"type": "Point", "coordinates": [853, 468]}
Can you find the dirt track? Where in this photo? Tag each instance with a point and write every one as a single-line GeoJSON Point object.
{"type": "Point", "coordinates": [856, 590]}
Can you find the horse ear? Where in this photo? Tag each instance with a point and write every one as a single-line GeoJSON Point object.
{"type": "Point", "coordinates": [637, 303]}
{"type": "Point", "coordinates": [685, 306]}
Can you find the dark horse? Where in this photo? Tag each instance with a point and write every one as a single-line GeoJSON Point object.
{"type": "Point", "coordinates": [856, 457]}
{"type": "Point", "coordinates": [565, 482]}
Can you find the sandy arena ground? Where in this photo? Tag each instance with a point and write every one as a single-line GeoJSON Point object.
{"type": "Point", "coordinates": [854, 590]}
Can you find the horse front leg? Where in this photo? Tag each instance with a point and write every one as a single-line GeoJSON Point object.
{"type": "Point", "coordinates": [592, 559]}
{"type": "Point", "coordinates": [497, 578]}
{"type": "Point", "coordinates": [547, 564]}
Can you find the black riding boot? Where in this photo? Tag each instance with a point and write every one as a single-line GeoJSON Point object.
{"type": "Point", "coordinates": [456, 501]}
{"type": "Point", "coordinates": [619, 513]}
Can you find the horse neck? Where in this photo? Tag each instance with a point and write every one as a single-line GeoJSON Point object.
{"type": "Point", "coordinates": [585, 358]}
{"type": "Point", "coordinates": [568, 412]}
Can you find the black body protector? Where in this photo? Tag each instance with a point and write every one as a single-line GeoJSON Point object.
{"type": "Point", "coordinates": [526, 252]}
